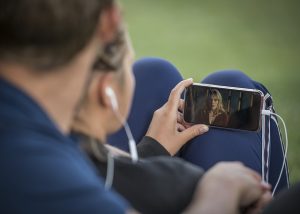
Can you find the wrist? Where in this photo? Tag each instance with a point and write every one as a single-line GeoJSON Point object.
{"type": "Point", "coordinates": [160, 140]}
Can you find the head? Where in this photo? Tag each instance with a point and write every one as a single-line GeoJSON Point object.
{"type": "Point", "coordinates": [98, 115]}
{"type": "Point", "coordinates": [215, 101]}
{"type": "Point", "coordinates": [47, 34]}
{"type": "Point", "coordinates": [48, 47]}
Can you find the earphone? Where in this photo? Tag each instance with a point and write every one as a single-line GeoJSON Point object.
{"type": "Point", "coordinates": [132, 145]}
{"type": "Point", "coordinates": [111, 94]}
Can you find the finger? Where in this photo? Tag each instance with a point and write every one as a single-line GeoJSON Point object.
{"type": "Point", "coordinates": [180, 127]}
{"type": "Point", "coordinates": [253, 174]}
{"type": "Point", "coordinates": [173, 102]}
{"type": "Point", "coordinates": [260, 204]}
{"type": "Point", "coordinates": [180, 118]}
{"type": "Point", "coordinates": [181, 105]}
{"type": "Point", "coordinates": [250, 172]}
{"type": "Point", "coordinates": [265, 185]}
{"type": "Point", "coordinates": [193, 131]}
{"type": "Point", "coordinates": [264, 200]}
{"type": "Point", "coordinates": [256, 175]}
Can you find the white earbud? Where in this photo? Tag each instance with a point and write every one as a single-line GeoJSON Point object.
{"type": "Point", "coordinates": [132, 145]}
{"type": "Point", "coordinates": [111, 94]}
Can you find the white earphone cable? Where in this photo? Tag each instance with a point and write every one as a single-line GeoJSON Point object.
{"type": "Point", "coordinates": [131, 141]}
{"type": "Point", "coordinates": [110, 164]}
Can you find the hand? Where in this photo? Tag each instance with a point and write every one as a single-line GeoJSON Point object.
{"type": "Point", "coordinates": [257, 208]}
{"type": "Point", "coordinates": [167, 125]}
{"type": "Point", "coordinates": [245, 182]}
{"type": "Point", "coordinates": [228, 187]}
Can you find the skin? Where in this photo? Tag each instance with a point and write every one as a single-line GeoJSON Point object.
{"type": "Point", "coordinates": [214, 107]}
{"type": "Point", "coordinates": [59, 91]}
{"type": "Point", "coordinates": [232, 187]}
{"type": "Point", "coordinates": [214, 103]}
{"type": "Point", "coordinates": [97, 108]}
{"type": "Point", "coordinates": [168, 126]}
{"type": "Point", "coordinates": [47, 89]}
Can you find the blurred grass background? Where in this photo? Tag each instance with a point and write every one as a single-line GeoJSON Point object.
{"type": "Point", "coordinates": [261, 38]}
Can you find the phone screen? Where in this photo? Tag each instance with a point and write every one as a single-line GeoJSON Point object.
{"type": "Point", "coordinates": [224, 107]}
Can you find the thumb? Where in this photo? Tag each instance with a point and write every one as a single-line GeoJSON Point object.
{"type": "Point", "coordinates": [193, 131]}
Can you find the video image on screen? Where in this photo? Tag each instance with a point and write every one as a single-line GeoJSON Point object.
{"type": "Point", "coordinates": [235, 109]}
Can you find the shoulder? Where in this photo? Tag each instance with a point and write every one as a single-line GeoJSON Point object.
{"type": "Point", "coordinates": [52, 177]}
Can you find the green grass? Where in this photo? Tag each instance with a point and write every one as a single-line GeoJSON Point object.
{"type": "Point", "coordinates": [261, 38]}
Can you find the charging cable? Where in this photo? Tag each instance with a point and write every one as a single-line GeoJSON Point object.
{"type": "Point", "coordinates": [269, 113]}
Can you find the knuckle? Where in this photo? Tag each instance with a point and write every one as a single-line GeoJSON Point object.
{"type": "Point", "coordinates": [180, 120]}
{"type": "Point", "coordinates": [238, 164]}
{"type": "Point", "coordinates": [195, 132]}
{"type": "Point", "coordinates": [224, 165]}
{"type": "Point", "coordinates": [157, 112]}
{"type": "Point", "coordinates": [173, 92]}
{"type": "Point", "coordinates": [162, 112]}
{"type": "Point", "coordinates": [221, 164]}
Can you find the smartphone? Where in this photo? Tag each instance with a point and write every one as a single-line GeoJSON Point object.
{"type": "Point", "coordinates": [223, 107]}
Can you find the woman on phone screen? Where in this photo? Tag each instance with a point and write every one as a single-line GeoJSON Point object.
{"type": "Point", "coordinates": [215, 113]}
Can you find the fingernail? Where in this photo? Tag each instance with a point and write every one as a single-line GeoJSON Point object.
{"type": "Point", "coordinates": [204, 129]}
{"type": "Point", "coordinates": [190, 79]}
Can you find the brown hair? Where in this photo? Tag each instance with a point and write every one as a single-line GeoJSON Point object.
{"type": "Point", "coordinates": [45, 34]}
{"type": "Point", "coordinates": [217, 94]}
{"type": "Point", "coordinates": [111, 58]}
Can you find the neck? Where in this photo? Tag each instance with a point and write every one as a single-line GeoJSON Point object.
{"type": "Point", "coordinates": [50, 92]}
{"type": "Point", "coordinates": [57, 91]}
{"type": "Point", "coordinates": [91, 120]}
{"type": "Point", "coordinates": [84, 127]}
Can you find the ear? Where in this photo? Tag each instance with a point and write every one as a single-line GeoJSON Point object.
{"type": "Point", "coordinates": [110, 20]}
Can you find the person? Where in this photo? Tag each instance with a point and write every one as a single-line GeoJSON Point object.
{"type": "Point", "coordinates": [151, 185]}
{"type": "Point", "coordinates": [155, 79]}
{"type": "Point", "coordinates": [215, 114]}
{"type": "Point", "coordinates": [45, 69]}
{"type": "Point", "coordinates": [47, 49]}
